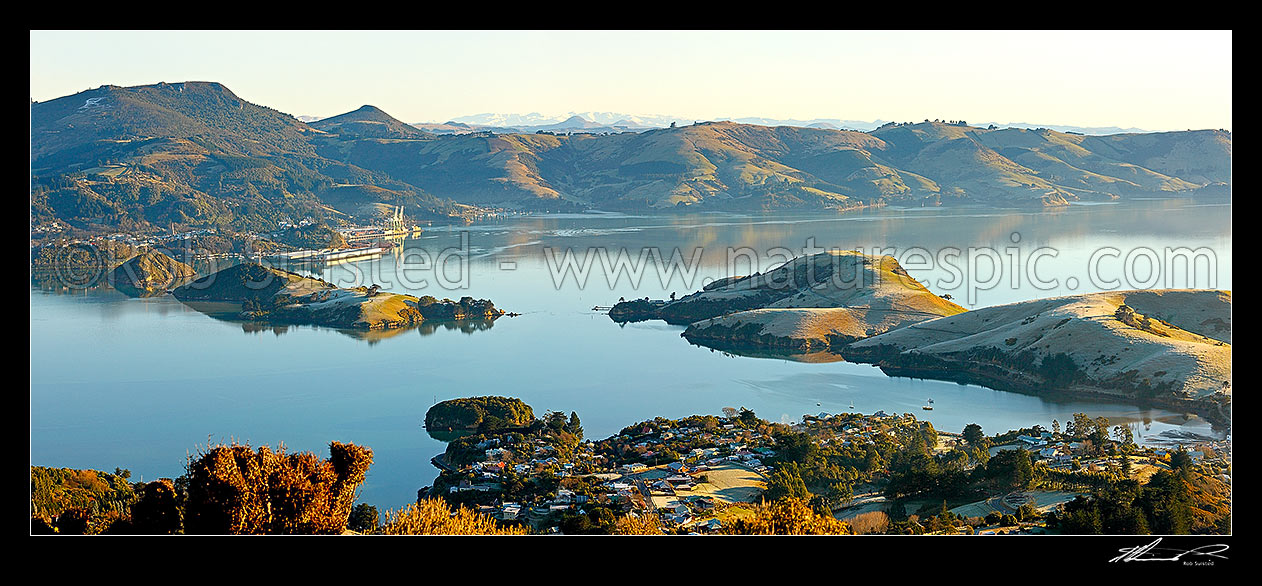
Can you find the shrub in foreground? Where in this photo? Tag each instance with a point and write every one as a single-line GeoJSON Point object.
{"type": "Point", "coordinates": [434, 517]}
{"type": "Point", "coordinates": [788, 517]}
{"type": "Point", "coordinates": [234, 489]}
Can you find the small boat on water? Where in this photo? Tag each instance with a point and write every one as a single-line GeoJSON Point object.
{"type": "Point", "coordinates": [928, 407]}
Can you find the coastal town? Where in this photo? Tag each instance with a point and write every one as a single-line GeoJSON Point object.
{"type": "Point", "coordinates": [703, 473]}
{"type": "Point", "coordinates": [205, 243]}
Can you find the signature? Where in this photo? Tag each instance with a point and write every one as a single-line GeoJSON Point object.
{"type": "Point", "coordinates": [1150, 553]}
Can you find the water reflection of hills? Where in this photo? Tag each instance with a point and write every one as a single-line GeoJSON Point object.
{"type": "Point", "coordinates": [468, 326]}
{"type": "Point", "coordinates": [59, 284]}
{"type": "Point", "coordinates": [815, 356]}
{"type": "Point", "coordinates": [231, 313]}
{"type": "Point", "coordinates": [447, 436]}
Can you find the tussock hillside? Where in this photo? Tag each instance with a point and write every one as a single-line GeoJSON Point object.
{"type": "Point", "coordinates": [800, 329]}
{"type": "Point", "coordinates": [730, 166]}
{"type": "Point", "coordinates": [825, 280]}
{"type": "Point", "coordinates": [196, 153]}
{"type": "Point", "coordinates": [150, 273]}
{"type": "Point", "coordinates": [191, 153]}
{"type": "Point", "coordinates": [1163, 345]}
{"type": "Point", "coordinates": [799, 305]}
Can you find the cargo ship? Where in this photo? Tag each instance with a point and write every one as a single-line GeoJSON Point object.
{"type": "Point", "coordinates": [394, 227]}
{"type": "Point", "coordinates": [321, 257]}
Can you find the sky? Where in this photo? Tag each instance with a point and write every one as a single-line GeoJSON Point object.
{"type": "Point", "coordinates": [1155, 80]}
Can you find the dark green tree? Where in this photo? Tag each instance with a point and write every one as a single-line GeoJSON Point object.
{"type": "Point", "coordinates": [1010, 470]}
{"type": "Point", "coordinates": [157, 512]}
{"type": "Point", "coordinates": [1167, 504]}
{"type": "Point", "coordinates": [786, 482]}
{"type": "Point", "coordinates": [1080, 428]}
{"type": "Point", "coordinates": [1124, 436]}
{"type": "Point", "coordinates": [795, 447]}
{"type": "Point", "coordinates": [364, 518]}
{"type": "Point", "coordinates": [1059, 369]}
{"type": "Point", "coordinates": [1181, 461]}
{"type": "Point", "coordinates": [1124, 465]}
{"type": "Point", "coordinates": [872, 461]}
{"type": "Point", "coordinates": [1027, 512]}
{"type": "Point", "coordinates": [74, 521]}
{"type": "Point", "coordinates": [555, 420]}
{"type": "Point", "coordinates": [1100, 432]}
{"type": "Point", "coordinates": [973, 434]}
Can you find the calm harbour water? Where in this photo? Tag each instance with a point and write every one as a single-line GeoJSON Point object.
{"type": "Point", "coordinates": [140, 383]}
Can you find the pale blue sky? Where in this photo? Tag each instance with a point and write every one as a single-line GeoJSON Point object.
{"type": "Point", "coordinates": [1166, 80]}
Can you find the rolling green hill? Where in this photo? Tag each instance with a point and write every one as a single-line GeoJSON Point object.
{"type": "Point", "coordinates": [1168, 346]}
{"type": "Point", "coordinates": [188, 153]}
{"type": "Point", "coordinates": [369, 122]}
{"type": "Point", "coordinates": [195, 153]}
{"type": "Point", "coordinates": [729, 166]}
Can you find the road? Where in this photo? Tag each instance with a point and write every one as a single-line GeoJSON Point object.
{"type": "Point", "coordinates": [648, 496]}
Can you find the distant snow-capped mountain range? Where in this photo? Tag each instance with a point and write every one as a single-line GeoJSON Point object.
{"type": "Point", "coordinates": [618, 121]}
{"type": "Point", "coordinates": [537, 119]}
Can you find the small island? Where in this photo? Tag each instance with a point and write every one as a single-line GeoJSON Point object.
{"type": "Point", "coordinates": [806, 304]}
{"type": "Point", "coordinates": [478, 415]}
{"type": "Point", "coordinates": [277, 296]}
